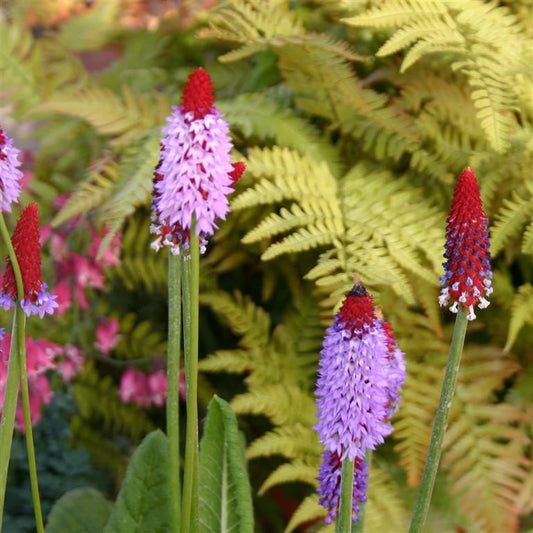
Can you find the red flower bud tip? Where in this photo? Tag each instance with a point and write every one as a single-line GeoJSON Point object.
{"type": "Point", "coordinates": [237, 172]}
{"type": "Point", "coordinates": [28, 251]}
{"type": "Point", "coordinates": [357, 311]}
{"type": "Point", "coordinates": [468, 275]}
{"type": "Point", "coordinates": [198, 94]}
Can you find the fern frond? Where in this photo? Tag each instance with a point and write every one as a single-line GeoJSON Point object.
{"type": "Point", "coordinates": [139, 340]}
{"type": "Point", "coordinates": [510, 218]}
{"type": "Point", "coordinates": [527, 241]}
{"type": "Point", "coordinates": [291, 472]}
{"type": "Point", "coordinates": [485, 38]}
{"type": "Point", "coordinates": [229, 361]}
{"type": "Point", "coordinates": [485, 457]}
{"type": "Point", "coordinates": [271, 401]}
{"type": "Point", "coordinates": [251, 23]}
{"type": "Point", "coordinates": [92, 192]}
{"type": "Point", "coordinates": [256, 116]}
{"type": "Point", "coordinates": [521, 313]}
{"type": "Point", "coordinates": [135, 184]}
{"type": "Point", "coordinates": [121, 117]}
{"type": "Point", "coordinates": [293, 442]}
{"type": "Point", "coordinates": [308, 511]}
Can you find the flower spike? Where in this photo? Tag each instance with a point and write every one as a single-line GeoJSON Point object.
{"type": "Point", "coordinates": [195, 174]}
{"type": "Point", "coordinates": [468, 276]}
{"type": "Point", "coordinates": [37, 300]}
{"type": "Point", "coordinates": [10, 175]}
{"type": "Point", "coordinates": [361, 372]}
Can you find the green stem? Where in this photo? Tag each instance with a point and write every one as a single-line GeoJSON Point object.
{"type": "Point", "coordinates": [20, 354]}
{"type": "Point", "coordinates": [32, 464]}
{"type": "Point", "coordinates": [359, 526]}
{"type": "Point", "coordinates": [189, 517]}
{"type": "Point", "coordinates": [344, 519]}
{"type": "Point", "coordinates": [425, 490]}
{"type": "Point", "coordinates": [8, 413]}
{"type": "Point", "coordinates": [173, 378]}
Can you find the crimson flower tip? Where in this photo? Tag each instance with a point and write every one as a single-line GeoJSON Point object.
{"type": "Point", "coordinates": [25, 240]}
{"type": "Point", "coordinates": [198, 94]}
{"type": "Point", "coordinates": [468, 277]}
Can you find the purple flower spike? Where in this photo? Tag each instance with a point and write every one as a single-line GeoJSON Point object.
{"type": "Point", "coordinates": [358, 379]}
{"type": "Point", "coordinates": [195, 175]}
{"type": "Point", "coordinates": [361, 372]}
{"type": "Point", "coordinates": [10, 175]}
{"type": "Point", "coordinates": [329, 490]}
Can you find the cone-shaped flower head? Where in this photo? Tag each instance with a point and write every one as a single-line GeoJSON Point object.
{"type": "Point", "coordinates": [467, 278]}
{"type": "Point", "coordinates": [195, 174]}
{"type": "Point", "coordinates": [37, 300]}
{"type": "Point", "coordinates": [10, 175]}
{"type": "Point", "coordinates": [361, 372]}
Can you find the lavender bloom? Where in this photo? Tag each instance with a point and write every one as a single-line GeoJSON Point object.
{"type": "Point", "coordinates": [329, 480]}
{"type": "Point", "coordinates": [361, 372]}
{"type": "Point", "coordinates": [195, 174]}
{"type": "Point", "coordinates": [10, 175]}
{"type": "Point", "coordinates": [359, 379]}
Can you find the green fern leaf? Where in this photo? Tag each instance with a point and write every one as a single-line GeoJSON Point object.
{"type": "Point", "coordinates": [510, 219]}
{"type": "Point", "coordinates": [230, 361]}
{"type": "Point", "coordinates": [521, 313]}
{"type": "Point", "coordinates": [308, 511]}
{"type": "Point", "coordinates": [289, 473]}
{"type": "Point", "coordinates": [123, 118]}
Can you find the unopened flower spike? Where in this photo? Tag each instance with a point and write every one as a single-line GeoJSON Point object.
{"type": "Point", "coordinates": [10, 175]}
{"type": "Point", "coordinates": [195, 174]}
{"type": "Point", "coordinates": [361, 372]}
{"type": "Point", "coordinates": [468, 276]}
{"type": "Point", "coordinates": [37, 300]}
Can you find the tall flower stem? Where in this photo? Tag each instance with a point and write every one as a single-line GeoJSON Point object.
{"type": "Point", "coordinates": [173, 372]}
{"type": "Point", "coordinates": [189, 517]}
{"type": "Point", "coordinates": [425, 490]}
{"type": "Point", "coordinates": [8, 412]}
{"type": "Point", "coordinates": [359, 526]}
{"type": "Point", "coordinates": [344, 520]}
{"type": "Point", "coordinates": [11, 393]}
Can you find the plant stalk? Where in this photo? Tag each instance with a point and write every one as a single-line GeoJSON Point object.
{"type": "Point", "coordinates": [8, 419]}
{"type": "Point", "coordinates": [344, 521]}
{"type": "Point", "coordinates": [425, 490]}
{"type": "Point", "coordinates": [189, 517]}
{"type": "Point", "coordinates": [173, 379]}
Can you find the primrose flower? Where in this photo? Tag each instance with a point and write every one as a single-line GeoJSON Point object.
{"type": "Point", "coordinates": [468, 276]}
{"type": "Point", "coordinates": [361, 372]}
{"type": "Point", "coordinates": [10, 175]}
{"type": "Point", "coordinates": [329, 481]}
{"type": "Point", "coordinates": [195, 174]}
{"type": "Point", "coordinates": [37, 300]}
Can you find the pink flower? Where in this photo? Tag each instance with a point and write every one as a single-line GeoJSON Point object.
{"type": "Point", "coordinates": [134, 388]}
{"type": "Point", "coordinates": [111, 255]}
{"type": "Point", "coordinates": [40, 395]}
{"type": "Point", "coordinates": [41, 356]}
{"type": "Point", "coordinates": [157, 385]}
{"type": "Point", "coordinates": [107, 335]}
{"type": "Point", "coordinates": [88, 273]}
{"type": "Point", "coordinates": [72, 362]}
{"type": "Point", "coordinates": [63, 293]}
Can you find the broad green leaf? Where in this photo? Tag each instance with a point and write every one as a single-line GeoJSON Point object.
{"type": "Point", "coordinates": [142, 503]}
{"type": "Point", "coordinates": [225, 495]}
{"type": "Point", "coordinates": [83, 510]}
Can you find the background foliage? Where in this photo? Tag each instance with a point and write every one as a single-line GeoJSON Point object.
{"type": "Point", "coordinates": [354, 118]}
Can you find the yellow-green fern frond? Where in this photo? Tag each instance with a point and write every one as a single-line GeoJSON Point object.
{"type": "Point", "coordinates": [230, 361]}
{"type": "Point", "coordinates": [121, 117]}
{"type": "Point", "coordinates": [485, 41]}
{"type": "Point", "coordinates": [257, 117]}
{"type": "Point", "coordinates": [521, 313]}
{"type": "Point", "coordinates": [290, 441]}
{"type": "Point", "coordinates": [291, 472]}
{"type": "Point", "coordinates": [511, 218]}
{"type": "Point", "coordinates": [308, 511]}
{"type": "Point", "coordinates": [139, 340]}
{"type": "Point", "coordinates": [251, 23]}
{"type": "Point", "coordinates": [485, 456]}
{"type": "Point", "coordinates": [92, 192]}
{"type": "Point", "coordinates": [272, 400]}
